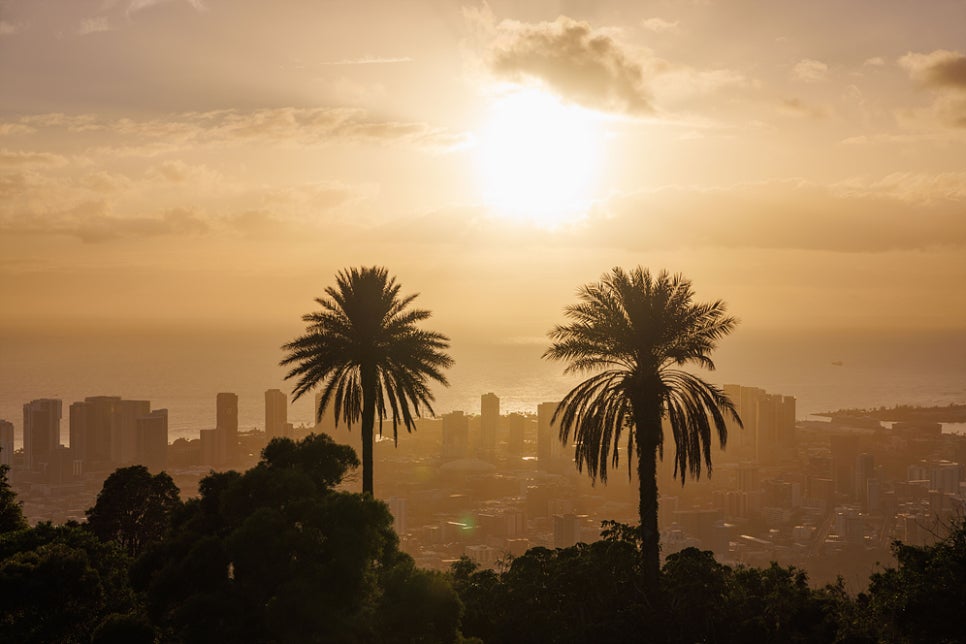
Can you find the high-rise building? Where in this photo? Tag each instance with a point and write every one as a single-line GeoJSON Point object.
{"type": "Point", "coordinates": [565, 530]}
{"type": "Point", "coordinates": [124, 430]}
{"type": "Point", "coordinates": [226, 426]}
{"type": "Point", "coordinates": [548, 438]}
{"type": "Point", "coordinates": [41, 430]}
{"type": "Point", "coordinates": [489, 422]}
{"type": "Point", "coordinates": [276, 413]}
{"type": "Point", "coordinates": [456, 432]}
{"type": "Point", "coordinates": [515, 425]}
{"type": "Point", "coordinates": [6, 442]}
{"type": "Point", "coordinates": [152, 440]}
{"type": "Point", "coordinates": [91, 428]}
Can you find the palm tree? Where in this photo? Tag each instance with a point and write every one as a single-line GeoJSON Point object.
{"type": "Point", "coordinates": [365, 351]}
{"type": "Point", "coordinates": [632, 331]}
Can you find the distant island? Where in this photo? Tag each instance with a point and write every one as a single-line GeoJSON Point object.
{"type": "Point", "coordinates": [952, 413]}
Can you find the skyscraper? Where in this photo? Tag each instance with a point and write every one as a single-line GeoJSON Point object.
{"type": "Point", "coordinates": [515, 424]}
{"type": "Point", "coordinates": [226, 426]}
{"type": "Point", "coordinates": [91, 427]}
{"type": "Point", "coordinates": [276, 413]}
{"type": "Point", "coordinates": [124, 430]}
{"type": "Point", "coordinates": [152, 440]}
{"type": "Point", "coordinates": [6, 442]}
{"type": "Point", "coordinates": [41, 429]}
{"type": "Point", "coordinates": [456, 430]}
{"type": "Point", "coordinates": [548, 440]}
{"type": "Point", "coordinates": [489, 421]}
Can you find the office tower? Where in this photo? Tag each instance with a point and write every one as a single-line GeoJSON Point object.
{"type": "Point", "coordinates": [397, 507]}
{"type": "Point", "coordinates": [548, 439]}
{"type": "Point", "coordinates": [41, 430]}
{"type": "Point", "coordinates": [6, 442]}
{"type": "Point", "coordinates": [210, 454]}
{"type": "Point", "coordinates": [565, 530]}
{"type": "Point", "coordinates": [152, 440]}
{"type": "Point", "coordinates": [489, 421]}
{"type": "Point", "coordinates": [124, 430]}
{"type": "Point", "coordinates": [91, 427]}
{"type": "Point", "coordinates": [276, 413]}
{"type": "Point", "coordinates": [845, 452]}
{"type": "Point", "coordinates": [456, 432]}
{"type": "Point", "coordinates": [515, 424]}
{"type": "Point", "coordinates": [226, 424]}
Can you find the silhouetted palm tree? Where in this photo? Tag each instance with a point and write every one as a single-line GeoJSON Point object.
{"type": "Point", "coordinates": [363, 348]}
{"type": "Point", "coordinates": [634, 329]}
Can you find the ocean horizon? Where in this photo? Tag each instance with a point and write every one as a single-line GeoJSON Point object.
{"type": "Point", "coordinates": [183, 370]}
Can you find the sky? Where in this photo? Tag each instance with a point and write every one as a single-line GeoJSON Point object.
{"type": "Point", "coordinates": [215, 162]}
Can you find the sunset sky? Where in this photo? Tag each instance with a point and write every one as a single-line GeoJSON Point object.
{"type": "Point", "coordinates": [216, 162]}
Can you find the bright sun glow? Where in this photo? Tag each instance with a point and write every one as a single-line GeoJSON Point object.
{"type": "Point", "coordinates": [539, 158]}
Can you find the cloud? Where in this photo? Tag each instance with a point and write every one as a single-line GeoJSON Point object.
{"type": "Point", "coordinates": [797, 107]}
{"type": "Point", "coordinates": [8, 129]}
{"type": "Point", "coordinates": [99, 226]}
{"type": "Point", "coordinates": [939, 68]}
{"type": "Point", "coordinates": [875, 61]}
{"type": "Point", "coordinates": [897, 212]}
{"type": "Point", "coordinates": [93, 26]}
{"type": "Point", "coordinates": [661, 26]}
{"type": "Point", "coordinates": [369, 60]}
{"type": "Point", "coordinates": [585, 65]}
{"type": "Point", "coordinates": [945, 72]}
{"type": "Point", "coordinates": [9, 28]}
{"type": "Point", "coordinates": [139, 5]}
{"type": "Point", "coordinates": [20, 159]}
{"type": "Point", "coordinates": [810, 70]}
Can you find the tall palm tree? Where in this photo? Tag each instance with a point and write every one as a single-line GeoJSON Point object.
{"type": "Point", "coordinates": [364, 350]}
{"type": "Point", "coordinates": [632, 331]}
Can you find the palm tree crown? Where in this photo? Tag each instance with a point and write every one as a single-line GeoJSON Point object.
{"type": "Point", "coordinates": [365, 351]}
{"type": "Point", "coordinates": [633, 331]}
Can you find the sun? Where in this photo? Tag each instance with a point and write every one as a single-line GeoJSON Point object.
{"type": "Point", "coordinates": [539, 159]}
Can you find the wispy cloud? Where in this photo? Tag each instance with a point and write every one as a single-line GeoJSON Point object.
{"type": "Point", "coordinates": [93, 25]}
{"type": "Point", "coordinates": [369, 60]}
{"type": "Point", "coordinates": [9, 28]}
{"type": "Point", "coordinates": [661, 26]}
{"type": "Point", "coordinates": [810, 70]}
{"type": "Point", "coordinates": [139, 5]}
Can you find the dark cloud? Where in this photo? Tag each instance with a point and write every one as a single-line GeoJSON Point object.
{"type": "Point", "coordinates": [948, 72]}
{"type": "Point", "coordinates": [585, 65]}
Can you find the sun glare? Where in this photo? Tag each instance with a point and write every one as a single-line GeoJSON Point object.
{"type": "Point", "coordinates": [540, 158]}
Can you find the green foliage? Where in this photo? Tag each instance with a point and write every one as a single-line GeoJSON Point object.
{"type": "Point", "coordinates": [595, 593]}
{"type": "Point", "coordinates": [922, 599]}
{"type": "Point", "coordinates": [587, 593]}
{"type": "Point", "coordinates": [58, 582]}
{"type": "Point", "coordinates": [365, 351]}
{"type": "Point", "coordinates": [133, 508]}
{"type": "Point", "coordinates": [276, 555]}
{"type": "Point", "coordinates": [11, 510]}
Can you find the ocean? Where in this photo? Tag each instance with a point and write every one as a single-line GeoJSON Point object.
{"type": "Point", "coordinates": [183, 370]}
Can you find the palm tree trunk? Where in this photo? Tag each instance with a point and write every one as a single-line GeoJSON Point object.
{"type": "Point", "coordinates": [368, 378]}
{"type": "Point", "coordinates": [650, 536]}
